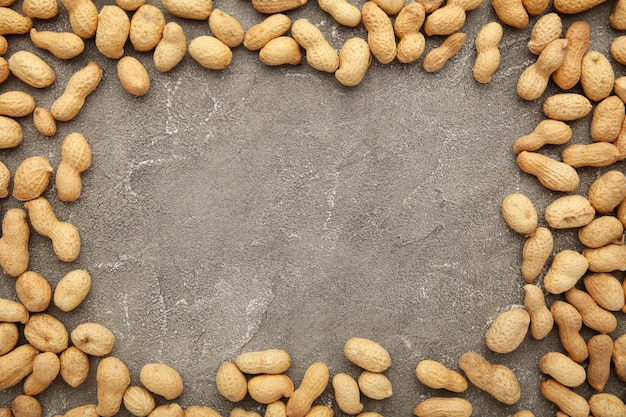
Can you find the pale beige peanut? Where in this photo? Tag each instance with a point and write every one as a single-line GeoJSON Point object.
{"type": "Point", "coordinates": [597, 77]}
{"type": "Point", "coordinates": [31, 69]}
{"type": "Point", "coordinates": [342, 11]}
{"type": "Point", "coordinates": [552, 174]}
{"type": "Point", "coordinates": [619, 357]}
{"type": "Point", "coordinates": [608, 258]}
{"type": "Point", "coordinates": [276, 6]}
{"type": "Point", "coordinates": [133, 76]}
{"type": "Point", "coordinates": [16, 104]}
{"type": "Point", "coordinates": [240, 412]}
{"type": "Point", "coordinates": [618, 49]}
{"type": "Point", "coordinates": [547, 29]}
{"type": "Point", "coordinates": [567, 106]}
{"type": "Point", "coordinates": [75, 159]}
{"type": "Point", "coordinates": [436, 375]}
{"type": "Point", "coordinates": [72, 289]}
{"type": "Point", "coordinates": [63, 45]}
{"type": "Point", "coordinates": [533, 81]}
{"type": "Point", "coordinates": [269, 361]}
{"type": "Point", "coordinates": [567, 268]}
{"type": "Point", "coordinates": [64, 236]}
{"type": "Point", "coordinates": [138, 401]}
{"type": "Point", "coordinates": [13, 22]}
{"type": "Point", "coordinates": [146, 28]}
{"type": "Point", "coordinates": [487, 52]}
{"type": "Point", "coordinates": [604, 288]}
{"type": "Point", "coordinates": [203, 411]}
{"type": "Point", "coordinates": [313, 384]}
{"type": "Point", "coordinates": [9, 336]}
{"type": "Point", "coordinates": [270, 28]}
{"type": "Point", "coordinates": [606, 405]}
{"type": "Point", "coordinates": [594, 316]}
{"type": "Point", "coordinates": [266, 389]}
{"type": "Point", "coordinates": [162, 380]}
{"type": "Point", "coordinates": [189, 9]}
{"type": "Point", "coordinates": [569, 322]}
{"type": "Point", "coordinates": [568, 74]}
{"type": "Point", "coordinates": [407, 26]}
{"type": "Point", "coordinates": [80, 85]}
{"type": "Point", "coordinates": [16, 365]}
{"type": "Point", "coordinates": [44, 122]}
{"type": "Point", "coordinates": [31, 178]}
{"type": "Point", "coordinates": [14, 255]}
{"type": "Point", "coordinates": [5, 178]}
{"type": "Point", "coordinates": [511, 12]}
{"type": "Point", "coordinates": [113, 378]}
{"type": "Point", "coordinates": [46, 367]}
{"type": "Point", "coordinates": [171, 49]}
{"type": "Point", "coordinates": [563, 369]}
{"type": "Point", "coordinates": [74, 366]}
{"type": "Point", "coordinates": [112, 31]}
{"type": "Point", "coordinates": [13, 311]}
{"type": "Point", "coordinates": [619, 88]}
{"type": "Point", "coordinates": [33, 291]}
{"type": "Point", "coordinates": [375, 385]}
{"type": "Point", "coordinates": [226, 28]}
{"type": "Point", "coordinates": [607, 191]}
{"type": "Point", "coordinates": [524, 413]}
{"type": "Point", "coordinates": [607, 119]}
{"type": "Point", "coordinates": [568, 401]}
{"type": "Point", "coordinates": [130, 5]}
{"type": "Point", "coordinates": [210, 52]}
{"type": "Point", "coordinates": [367, 354]}
{"type": "Point", "coordinates": [320, 411]}
{"type": "Point", "coordinates": [575, 6]}
{"type": "Point", "coordinates": [231, 382]}
{"type": "Point", "coordinates": [391, 7]}
{"type": "Point", "coordinates": [600, 348]}
{"type": "Point", "coordinates": [275, 409]}
{"type": "Point", "coordinates": [5, 71]}
{"type": "Point", "coordinates": [26, 406]}
{"type": "Point", "coordinates": [40, 9]}
{"type": "Point", "coordinates": [88, 410]}
{"type": "Point", "coordinates": [380, 34]}
{"type": "Point", "coordinates": [601, 231]}
{"type": "Point", "coordinates": [430, 5]}
{"type": "Point", "coordinates": [354, 60]}
{"type": "Point", "coordinates": [620, 212]}
{"type": "Point", "coordinates": [508, 330]}
{"type": "Point", "coordinates": [569, 211]}
{"type": "Point", "coordinates": [319, 53]}
{"type": "Point", "coordinates": [443, 406]}
{"type": "Point", "coordinates": [438, 57]}
{"type": "Point", "coordinates": [370, 414]}
{"type": "Point", "coordinates": [450, 18]}
{"type": "Point", "coordinates": [167, 410]}
{"type": "Point", "coordinates": [547, 132]}
{"type": "Point", "coordinates": [617, 19]}
{"type": "Point", "coordinates": [347, 394]}
{"type": "Point", "coordinates": [283, 50]}
{"type": "Point", "coordinates": [519, 213]}
{"type": "Point", "coordinates": [4, 45]}
{"type": "Point", "coordinates": [11, 133]}
{"type": "Point", "coordinates": [497, 380]}
{"type": "Point", "coordinates": [93, 338]}
{"type": "Point", "coordinates": [46, 333]}
{"type": "Point", "coordinates": [599, 154]}
{"type": "Point", "coordinates": [541, 320]}
{"type": "Point", "coordinates": [83, 17]}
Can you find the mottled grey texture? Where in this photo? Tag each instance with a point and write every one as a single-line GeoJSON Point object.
{"type": "Point", "coordinates": [259, 207]}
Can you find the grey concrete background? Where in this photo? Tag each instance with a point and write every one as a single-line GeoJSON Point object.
{"type": "Point", "coordinates": [256, 207]}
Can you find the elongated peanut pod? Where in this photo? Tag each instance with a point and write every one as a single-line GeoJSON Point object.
{"type": "Point", "coordinates": [80, 85]}
{"type": "Point", "coordinates": [64, 45]}
{"type": "Point", "coordinates": [380, 33]}
{"type": "Point", "coordinates": [438, 57]}
{"type": "Point", "coordinates": [534, 80]}
{"type": "Point", "coordinates": [319, 54]}
{"type": "Point", "coordinates": [488, 54]}
{"type": "Point", "coordinates": [354, 60]}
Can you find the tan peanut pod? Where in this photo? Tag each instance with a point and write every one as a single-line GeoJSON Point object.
{"type": "Point", "coordinates": [46, 367]}
{"type": "Point", "coordinates": [276, 6]}
{"type": "Point", "coordinates": [375, 385]}
{"type": "Point", "coordinates": [563, 369]}
{"type": "Point", "coordinates": [26, 406]}
{"type": "Point", "coordinates": [438, 57]}
{"type": "Point", "coordinates": [231, 382]}
{"type": "Point", "coordinates": [14, 256]}
{"type": "Point", "coordinates": [31, 178]}
{"type": "Point", "coordinates": [13, 312]}
{"type": "Point", "coordinates": [4, 45]}
{"type": "Point", "coordinates": [407, 26]}
{"type": "Point", "coordinates": [607, 258]}
{"type": "Point", "coordinates": [320, 411]}
{"type": "Point", "coordinates": [574, 7]}
{"type": "Point", "coordinates": [130, 5]}
{"type": "Point", "coordinates": [9, 336]}
{"type": "Point", "coordinates": [138, 401]}
{"type": "Point", "coordinates": [133, 76]}
{"type": "Point", "coordinates": [497, 380]}
{"type": "Point", "coordinates": [380, 34]}
{"type": "Point", "coordinates": [604, 288]}
{"type": "Point", "coordinates": [347, 394]}
{"type": "Point", "coordinates": [568, 74]}
{"type": "Point", "coordinates": [167, 410]}
{"type": "Point", "coordinates": [606, 405]}
{"type": "Point", "coordinates": [283, 50]}
{"type": "Point", "coordinates": [519, 213]}
{"type": "Point", "coordinates": [508, 331]}
{"type": "Point", "coordinates": [271, 28]}
{"type": "Point", "coordinates": [226, 28]}
{"type": "Point", "coordinates": [6, 412]}
{"type": "Point", "coordinates": [5, 178]}
{"type": "Point", "coordinates": [568, 401]}
{"type": "Point", "coordinates": [189, 9]}
{"type": "Point", "coordinates": [535, 8]}
{"type": "Point", "coordinates": [617, 19]}
{"type": "Point", "coordinates": [171, 49]}
{"type": "Point", "coordinates": [547, 132]}
{"type": "Point", "coordinates": [600, 349]}
{"type": "Point", "coordinates": [569, 322]}
{"type": "Point", "coordinates": [75, 159]}
{"type": "Point", "coordinates": [74, 366]}
{"type": "Point", "coordinates": [608, 191]}
{"type": "Point", "coordinates": [620, 89]}
{"type": "Point", "coordinates": [597, 77]}
{"type": "Point", "coordinates": [266, 389]}
{"type": "Point", "coordinates": [65, 237]}
{"type": "Point", "coordinates": [94, 339]}
{"type": "Point", "coordinates": [33, 291]}
{"type": "Point", "coordinates": [210, 52]}
{"type": "Point", "coordinates": [534, 79]}
{"type": "Point", "coordinates": [599, 154]}
{"type": "Point", "coordinates": [567, 268]}
{"type": "Point", "coordinates": [566, 107]}
{"type": "Point", "coordinates": [65, 45]}
{"type": "Point", "coordinates": [31, 69]}
{"type": "Point", "coordinates": [44, 122]}
{"type": "Point", "coordinates": [270, 361]}
{"type": "Point", "coordinates": [72, 289]}
{"type": "Point", "coordinates": [443, 406]}
{"type": "Point", "coordinates": [313, 384]}
{"type": "Point", "coordinates": [621, 212]}
{"type": "Point", "coordinates": [511, 12]}
{"type": "Point", "coordinates": [46, 333]}
{"type": "Point", "coordinates": [608, 116]}
{"type": "Point", "coordinates": [112, 31]}
{"type": "Point", "coordinates": [594, 316]}
{"type": "Point", "coordinates": [450, 18]}
{"type": "Point", "coordinates": [16, 365]}
{"type": "Point", "coordinates": [541, 320]}
{"type": "Point", "coordinates": [16, 104]}
{"type": "Point", "coordinates": [146, 28]}
{"type": "Point", "coordinates": [600, 232]}
{"type": "Point", "coordinates": [40, 9]}
{"type": "Point", "coordinates": [11, 133]}
{"type": "Point", "coordinates": [552, 174]}
{"type": "Point", "coordinates": [342, 11]}
{"type": "Point", "coordinates": [275, 409]}
{"type": "Point", "coordinates": [367, 354]}
{"type": "Point", "coordinates": [79, 86]}
{"type": "Point", "coordinates": [569, 211]}
{"type": "Point", "coordinates": [391, 7]}
{"type": "Point", "coordinates": [162, 380]}
{"type": "Point", "coordinates": [203, 411]}
{"type": "Point", "coordinates": [5, 71]}
{"type": "Point", "coordinates": [618, 49]}
{"type": "Point", "coordinates": [430, 5]}
{"type": "Point", "coordinates": [354, 60]}
{"type": "Point", "coordinates": [13, 23]}
{"type": "Point", "coordinates": [319, 54]}
{"type": "Point", "coordinates": [618, 357]}
{"type": "Point", "coordinates": [83, 17]}
{"type": "Point", "coordinates": [524, 413]}
{"type": "Point", "coordinates": [113, 379]}
{"type": "Point", "coordinates": [488, 54]}
{"type": "Point", "coordinates": [436, 375]}
{"type": "Point", "coordinates": [547, 29]}
{"type": "Point", "coordinates": [88, 410]}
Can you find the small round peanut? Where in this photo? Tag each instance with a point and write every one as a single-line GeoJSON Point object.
{"type": "Point", "coordinates": [171, 49]}
{"type": "Point", "coordinates": [618, 49]}
{"type": "Point", "coordinates": [566, 107]}
{"type": "Point", "coordinates": [31, 178]}
{"type": "Point", "coordinates": [563, 369]}
{"type": "Point", "coordinates": [282, 50]}
{"type": "Point", "coordinates": [162, 380]}
{"type": "Point", "coordinates": [375, 385]}
{"type": "Point", "coordinates": [74, 366]}
{"type": "Point", "coordinates": [231, 382]}
{"type": "Point", "coordinates": [138, 401]}
{"type": "Point", "coordinates": [46, 333]}
{"type": "Point", "coordinates": [266, 389]}
{"type": "Point", "coordinates": [133, 76]}
{"type": "Point", "coordinates": [94, 339]}
{"type": "Point", "coordinates": [535, 7]}
{"type": "Point", "coordinates": [519, 213]}
{"type": "Point", "coordinates": [606, 405]}
{"type": "Point", "coordinates": [597, 77]}
{"type": "Point", "coordinates": [541, 320]}
{"type": "Point", "coordinates": [508, 330]}
{"type": "Point", "coordinates": [210, 52]}
{"type": "Point", "coordinates": [33, 291]}
{"type": "Point", "coordinates": [607, 119]}
{"type": "Point", "coordinates": [566, 269]}
{"type": "Point", "coordinates": [11, 133]}
{"type": "Point", "coordinates": [569, 211]}
{"type": "Point", "coordinates": [347, 393]}
{"type": "Point", "coordinates": [13, 311]}
{"type": "Point", "coordinates": [607, 191]}
{"type": "Point", "coordinates": [9, 336]}
{"type": "Point", "coordinates": [226, 28]}
{"type": "Point", "coordinates": [438, 57]}
{"type": "Point", "coordinates": [130, 5]}
{"type": "Point", "coordinates": [146, 28]}
{"type": "Point", "coordinates": [40, 9]}
{"type": "Point", "coordinates": [601, 231]}
{"type": "Point", "coordinates": [26, 406]}
{"type": "Point", "coordinates": [487, 52]}
{"type": "Point", "coordinates": [608, 258]}
{"type": "Point", "coordinates": [354, 60]}
{"type": "Point", "coordinates": [16, 104]}
{"type": "Point", "coordinates": [367, 354]}
{"type": "Point", "coordinates": [44, 122]}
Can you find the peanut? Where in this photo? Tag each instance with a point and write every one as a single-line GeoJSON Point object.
{"type": "Point", "coordinates": [547, 29]}
{"type": "Point", "coordinates": [369, 414]}
{"type": "Point", "coordinates": [72, 289]}
{"type": "Point", "coordinates": [617, 19]}
{"type": "Point", "coordinates": [593, 316]}
{"type": "Point", "coordinates": [511, 12]}
{"type": "Point", "coordinates": [541, 320]}
{"type": "Point", "coordinates": [600, 349]}
{"type": "Point", "coordinates": [201, 411]}
{"type": "Point", "coordinates": [65, 45]}
{"type": "Point", "coordinates": [276, 6]}
{"type": "Point", "coordinates": [568, 401]}
{"type": "Point", "coordinates": [519, 213]}
{"type": "Point", "coordinates": [535, 7]}
{"type": "Point", "coordinates": [604, 288]}
{"type": "Point", "coordinates": [31, 69]}
{"type": "Point", "coordinates": [567, 268]}
{"type": "Point", "coordinates": [600, 232]}
{"type": "Point", "coordinates": [46, 333]}
{"type": "Point", "coordinates": [80, 85]}
{"type": "Point", "coordinates": [569, 211]}
{"type": "Point", "coordinates": [11, 133]}
{"type": "Point", "coordinates": [5, 178]}
{"type": "Point", "coordinates": [606, 405]}
{"type": "Point", "coordinates": [5, 71]}
{"type": "Point", "coordinates": [563, 369]}
{"type": "Point", "coordinates": [9, 336]}
{"type": "Point", "coordinates": [40, 9]}
{"type": "Point", "coordinates": [497, 380]}
{"type": "Point", "coordinates": [83, 17]}
{"type": "Point", "coordinates": [380, 34]}
{"type": "Point", "coordinates": [430, 5]}
{"type": "Point", "coordinates": [437, 58]}
{"type": "Point", "coordinates": [260, 34]}
{"type": "Point", "coordinates": [167, 410]}
{"type": "Point", "coordinates": [112, 31]}
{"type": "Point", "coordinates": [16, 365]}
{"type": "Point", "coordinates": [313, 383]}
{"type": "Point", "coordinates": [16, 104]}
{"type": "Point", "coordinates": [621, 212]}
{"type": "Point", "coordinates": [226, 28]}
{"type": "Point", "coordinates": [231, 382]}
{"type": "Point", "coordinates": [354, 60]}
{"type": "Point", "coordinates": [534, 80]}
{"type": "Point", "coordinates": [607, 119]}
{"type": "Point", "coordinates": [46, 367]}
{"type": "Point", "coordinates": [367, 354]}
{"type": "Point", "coordinates": [450, 18]}
{"type": "Point", "coordinates": [33, 291]}
{"type": "Point", "coordinates": [443, 406]}
{"type": "Point", "coordinates": [13, 312]}
{"type": "Point", "coordinates": [14, 256]}
{"type": "Point", "coordinates": [189, 9]}
{"type": "Point", "coordinates": [75, 159]}
{"type": "Point", "coordinates": [618, 49]}
{"type": "Point", "coordinates": [171, 49]}
{"type": "Point", "coordinates": [488, 54]}
{"type": "Point", "coordinates": [31, 178]}
{"type": "Point", "coordinates": [275, 409]}
{"type": "Point", "coordinates": [547, 132]}
{"type": "Point", "coordinates": [74, 366]}
{"type": "Point", "coordinates": [552, 174]}
{"type": "Point", "coordinates": [375, 385]}
{"type": "Point", "coordinates": [407, 28]}
{"type": "Point", "coordinates": [44, 122]}
{"type": "Point", "coordinates": [138, 401]}
{"type": "Point", "coordinates": [280, 51]}
{"type": "Point", "coordinates": [347, 393]}
{"type": "Point", "coordinates": [566, 107]}
{"type": "Point", "coordinates": [619, 357]}
{"type": "Point", "coordinates": [607, 191]}
{"type": "Point", "coordinates": [568, 74]}
{"type": "Point", "coordinates": [607, 258]}
{"type": "Point", "coordinates": [597, 77]}
{"type": "Point", "coordinates": [569, 322]}
{"type": "Point", "coordinates": [130, 5]}
{"type": "Point", "coordinates": [342, 11]}
{"type": "Point", "coordinates": [146, 28]}
{"type": "Point", "coordinates": [436, 375]}
{"type": "Point", "coordinates": [620, 88]}
{"type": "Point", "coordinates": [88, 410]}
{"type": "Point", "coordinates": [133, 76]}
{"type": "Point", "coordinates": [13, 23]}
{"type": "Point", "coordinates": [113, 379]}
{"type": "Point", "coordinates": [270, 361]}
{"type": "Point", "coordinates": [26, 406]}
{"type": "Point", "coordinates": [162, 380]}
{"type": "Point", "coordinates": [94, 339]}
{"type": "Point", "coordinates": [320, 411]}
{"type": "Point", "coordinates": [391, 7]}
{"type": "Point", "coordinates": [266, 389]}
{"type": "Point", "coordinates": [319, 54]}
{"type": "Point", "coordinates": [508, 331]}
{"type": "Point", "coordinates": [4, 45]}
{"type": "Point", "coordinates": [210, 52]}
{"type": "Point", "coordinates": [575, 6]}
{"type": "Point", "coordinates": [598, 154]}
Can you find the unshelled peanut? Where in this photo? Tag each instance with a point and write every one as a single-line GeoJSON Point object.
{"type": "Point", "coordinates": [608, 258]}
{"type": "Point", "coordinates": [541, 320]}
{"type": "Point", "coordinates": [16, 365]}
{"type": "Point", "coordinates": [171, 49]}
{"type": "Point", "coordinates": [347, 394]}
{"type": "Point", "coordinates": [569, 322]}
{"type": "Point", "coordinates": [16, 104]}
{"type": "Point", "coordinates": [319, 53]}
{"type": "Point", "coordinates": [13, 22]}
{"type": "Point", "coordinates": [46, 333]}
{"type": "Point", "coordinates": [450, 18]}
{"type": "Point", "coordinates": [11, 133]}
{"type": "Point", "coordinates": [113, 378]}
{"type": "Point", "coordinates": [567, 268]}
{"type": "Point", "coordinates": [534, 79]}
{"type": "Point", "coordinates": [608, 191]}
{"type": "Point", "coordinates": [313, 384]}
{"type": "Point", "coordinates": [83, 17]}
{"type": "Point", "coordinates": [547, 132]}
{"type": "Point", "coordinates": [33, 291]}
{"type": "Point", "coordinates": [226, 28]}
{"type": "Point", "coordinates": [272, 27]}
{"type": "Point", "coordinates": [563, 369]}
{"type": "Point", "coordinates": [63, 45]}
{"type": "Point", "coordinates": [375, 385]}
{"type": "Point", "coordinates": [138, 401]}
{"type": "Point", "coordinates": [488, 54]}
{"type": "Point", "coordinates": [31, 178]}
{"type": "Point", "coordinates": [607, 119]}
{"type": "Point", "coordinates": [569, 211]}
{"type": "Point", "coordinates": [270, 361]}
{"type": "Point", "coordinates": [133, 76]}
{"type": "Point", "coordinates": [594, 316]}
{"type": "Point", "coordinates": [548, 28]}
{"type": "Point", "coordinates": [519, 213]}
{"type": "Point", "coordinates": [354, 60]}
{"type": "Point", "coordinates": [189, 9]}
{"type": "Point", "coordinates": [597, 77]}
{"type": "Point", "coordinates": [599, 154]}
{"type": "Point", "coordinates": [14, 255]}
{"type": "Point", "coordinates": [210, 52]}
{"type": "Point", "coordinates": [266, 389]}
{"type": "Point", "coordinates": [568, 74]}
{"type": "Point", "coordinates": [231, 382]}
{"type": "Point", "coordinates": [342, 11]}
{"type": "Point", "coordinates": [40, 9]}
{"type": "Point", "coordinates": [146, 28]}
{"type": "Point", "coordinates": [79, 86]}
{"type": "Point", "coordinates": [552, 174]}
{"type": "Point", "coordinates": [511, 12]}
{"type": "Point", "coordinates": [46, 367]}
{"type": "Point", "coordinates": [9, 336]}
{"type": "Point", "coordinates": [44, 122]}
{"type": "Point", "coordinates": [604, 288]}
{"type": "Point", "coordinates": [407, 28]}
{"type": "Point", "coordinates": [436, 375]}
{"type": "Point", "coordinates": [31, 69]}
{"type": "Point", "coordinates": [26, 406]}
{"type": "Point", "coordinates": [367, 354]}
{"type": "Point", "coordinates": [282, 50]}
{"type": "Point", "coordinates": [601, 231]}
{"type": "Point", "coordinates": [497, 380]}
{"type": "Point", "coordinates": [13, 311]}
{"type": "Point", "coordinates": [566, 107]}
{"type": "Point", "coordinates": [508, 330]}
{"type": "Point", "coordinates": [93, 338]}
{"type": "Point", "coordinates": [74, 366]}
{"type": "Point", "coordinates": [606, 405]}
{"type": "Point", "coordinates": [568, 401]}
{"type": "Point", "coordinates": [600, 348]}
{"type": "Point", "coordinates": [443, 406]}
{"type": "Point", "coordinates": [380, 34]}
{"type": "Point", "coordinates": [75, 159]}
{"type": "Point", "coordinates": [438, 57]}
{"type": "Point", "coordinates": [72, 289]}
{"type": "Point", "coordinates": [112, 31]}
{"type": "Point", "coordinates": [276, 6]}
{"type": "Point", "coordinates": [162, 380]}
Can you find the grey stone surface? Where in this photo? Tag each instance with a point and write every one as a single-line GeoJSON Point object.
{"type": "Point", "coordinates": [256, 207]}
